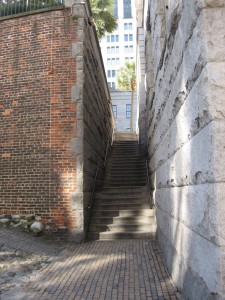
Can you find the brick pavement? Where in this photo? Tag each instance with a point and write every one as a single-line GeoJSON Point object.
{"type": "Point", "coordinates": [128, 269]}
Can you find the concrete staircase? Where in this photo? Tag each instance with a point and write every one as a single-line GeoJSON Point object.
{"type": "Point", "coordinates": [121, 207]}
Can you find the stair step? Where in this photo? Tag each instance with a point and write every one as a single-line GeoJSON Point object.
{"type": "Point", "coordinates": [122, 220]}
{"type": "Point", "coordinates": [123, 213]}
{"type": "Point", "coordinates": [119, 206]}
{"type": "Point", "coordinates": [121, 235]}
{"type": "Point", "coordinates": [121, 227]}
{"type": "Point", "coordinates": [121, 184]}
{"type": "Point", "coordinates": [123, 190]}
{"type": "Point", "coordinates": [128, 201]}
{"type": "Point", "coordinates": [127, 177]}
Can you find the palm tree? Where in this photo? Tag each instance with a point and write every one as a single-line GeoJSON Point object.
{"type": "Point", "coordinates": [103, 13]}
{"type": "Point", "coordinates": [126, 80]}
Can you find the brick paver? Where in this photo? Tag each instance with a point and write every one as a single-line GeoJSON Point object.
{"type": "Point", "coordinates": [128, 269]}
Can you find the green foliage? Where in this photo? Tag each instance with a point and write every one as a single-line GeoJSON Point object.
{"type": "Point", "coordinates": [16, 7]}
{"type": "Point", "coordinates": [126, 77]}
{"type": "Point", "coordinates": [104, 18]}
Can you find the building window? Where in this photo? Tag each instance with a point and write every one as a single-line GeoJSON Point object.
{"type": "Point", "coordinates": [128, 37]}
{"type": "Point", "coordinates": [127, 26]}
{"type": "Point", "coordinates": [116, 8]}
{"type": "Point", "coordinates": [128, 111]}
{"type": "Point", "coordinates": [113, 38]}
{"type": "Point", "coordinates": [113, 73]}
{"type": "Point", "coordinates": [108, 62]}
{"type": "Point", "coordinates": [108, 73]}
{"type": "Point", "coordinates": [108, 50]}
{"type": "Point", "coordinates": [117, 61]}
{"type": "Point", "coordinates": [127, 129]}
{"type": "Point", "coordinates": [115, 111]}
{"type": "Point", "coordinates": [127, 9]}
{"type": "Point", "coordinates": [128, 49]}
{"type": "Point", "coordinates": [117, 49]}
{"type": "Point", "coordinates": [109, 84]}
{"type": "Point", "coordinates": [113, 85]}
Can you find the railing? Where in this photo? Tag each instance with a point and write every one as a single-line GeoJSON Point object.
{"type": "Point", "coordinates": [96, 174]}
{"type": "Point", "coordinates": [148, 184]}
{"type": "Point", "coordinates": [13, 7]}
{"type": "Point", "coordinates": [93, 189]}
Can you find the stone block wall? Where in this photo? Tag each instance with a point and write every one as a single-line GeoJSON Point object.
{"type": "Point", "coordinates": [43, 87]}
{"type": "Point", "coordinates": [185, 62]}
{"type": "Point", "coordinates": [95, 116]}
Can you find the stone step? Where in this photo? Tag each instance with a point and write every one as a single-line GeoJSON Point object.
{"type": "Point", "coordinates": [139, 174]}
{"type": "Point", "coordinates": [125, 163]}
{"type": "Point", "coordinates": [123, 220]}
{"type": "Point", "coordinates": [121, 184]}
{"type": "Point", "coordinates": [117, 200]}
{"type": "Point", "coordinates": [123, 190]}
{"type": "Point", "coordinates": [123, 213]}
{"type": "Point", "coordinates": [125, 176]}
{"type": "Point", "coordinates": [103, 236]}
{"type": "Point", "coordinates": [119, 206]}
{"type": "Point", "coordinates": [122, 227]}
{"type": "Point", "coordinates": [113, 197]}
{"type": "Point", "coordinates": [129, 178]}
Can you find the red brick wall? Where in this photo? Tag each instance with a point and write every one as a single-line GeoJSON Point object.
{"type": "Point", "coordinates": [38, 119]}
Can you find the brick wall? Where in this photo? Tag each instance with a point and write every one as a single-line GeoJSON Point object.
{"type": "Point", "coordinates": [56, 117]}
{"type": "Point", "coordinates": [38, 118]}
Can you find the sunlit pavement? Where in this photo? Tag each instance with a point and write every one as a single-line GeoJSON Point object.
{"type": "Point", "coordinates": [128, 269]}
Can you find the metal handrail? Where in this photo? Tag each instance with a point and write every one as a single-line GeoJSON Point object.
{"type": "Point", "coordinates": [106, 152]}
{"type": "Point", "coordinates": [149, 189]}
{"type": "Point", "coordinates": [93, 189]}
{"type": "Point", "coordinates": [96, 173]}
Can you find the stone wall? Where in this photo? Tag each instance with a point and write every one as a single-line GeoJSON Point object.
{"type": "Point", "coordinates": [185, 48]}
{"type": "Point", "coordinates": [52, 111]}
{"type": "Point", "coordinates": [95, 122]}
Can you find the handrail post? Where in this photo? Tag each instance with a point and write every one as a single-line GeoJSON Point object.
{"type": "Point", "coordinates": [150, 200]}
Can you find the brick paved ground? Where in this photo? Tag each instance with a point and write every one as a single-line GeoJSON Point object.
{"type": "Point", "coordinates": [131, 269]}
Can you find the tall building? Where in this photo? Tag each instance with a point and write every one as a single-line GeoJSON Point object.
{"type": "Point", "coordinates": [117, 48]}
{"type": "Point", "coordinates": [120, 46]}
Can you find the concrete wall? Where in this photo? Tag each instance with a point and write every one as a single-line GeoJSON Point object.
{"type": "Point", "coordinates": [56, 117]}
{"type": "Point", "coordinates": [185, 48]}
{"type": "Point", "coordinates": [121, 99]}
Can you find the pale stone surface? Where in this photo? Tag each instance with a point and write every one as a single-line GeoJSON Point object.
{"type": "Point", "coordinates": [37, 227]}
{"type": "Point", "coordinates": [186, 142]}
